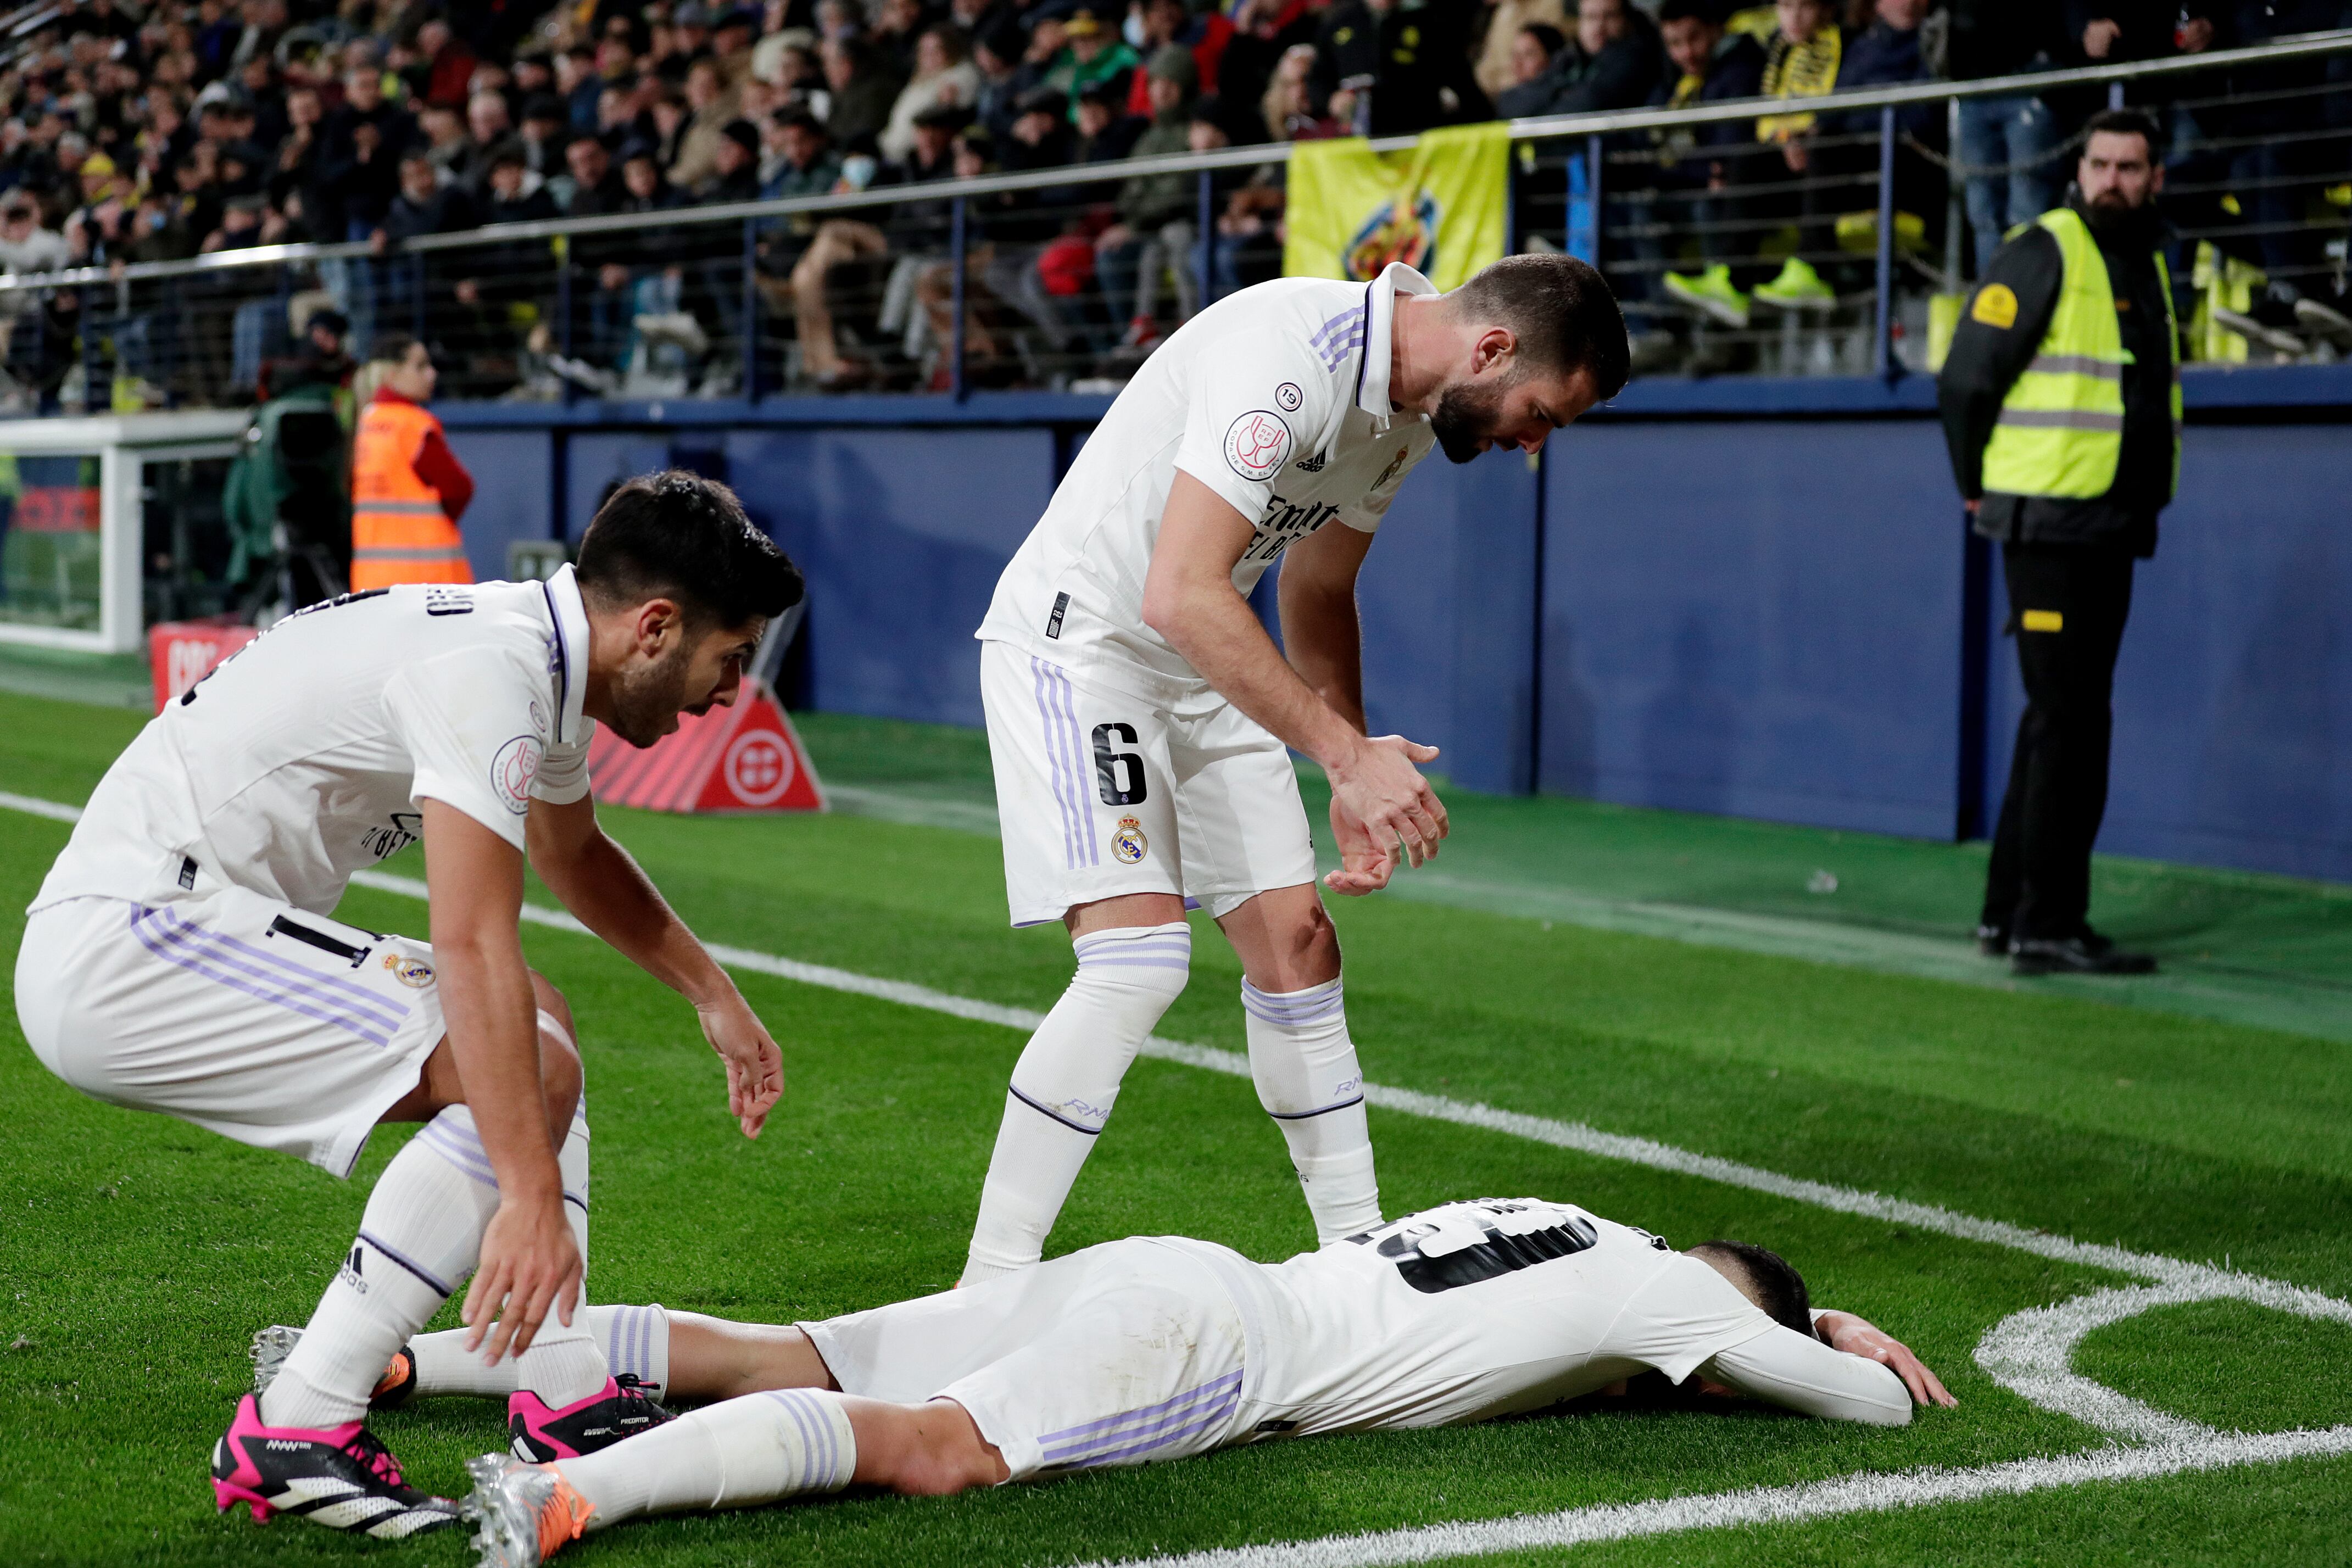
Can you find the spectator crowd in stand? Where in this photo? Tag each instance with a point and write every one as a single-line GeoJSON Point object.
{"type": "Point", "coordinates": [139, 130]}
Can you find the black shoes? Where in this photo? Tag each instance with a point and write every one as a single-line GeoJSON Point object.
{"type": "Point", "coordinates": [2086, 953]}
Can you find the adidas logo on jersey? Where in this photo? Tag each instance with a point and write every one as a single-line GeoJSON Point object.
{"type": "Point", "coordinates": [1312, 465]}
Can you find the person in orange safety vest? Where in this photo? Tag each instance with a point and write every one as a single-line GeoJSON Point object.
{"type": "Point", "coordinates": [408, 489]}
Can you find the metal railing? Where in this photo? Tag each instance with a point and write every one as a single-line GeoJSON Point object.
{"type": "Point", "coordinates": [952, 284]}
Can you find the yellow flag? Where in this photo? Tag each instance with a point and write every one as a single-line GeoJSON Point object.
{"type": "Point", "coordinates": [1437, 207]}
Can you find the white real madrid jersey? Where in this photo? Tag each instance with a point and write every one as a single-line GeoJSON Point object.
{"type": "Point", "coordinates": [305, 756]}
{"type": "Point", "coordinates": [1475, 1310]}
{"type": "Point", "coordinates": [1277, 398]}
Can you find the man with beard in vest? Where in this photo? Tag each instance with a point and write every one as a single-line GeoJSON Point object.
{"type": "Point", "coordinates": [2062, 408]}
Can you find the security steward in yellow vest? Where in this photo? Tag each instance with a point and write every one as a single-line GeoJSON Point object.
{"type": "Point", "coordinates": [2060, 402]}
{"type": "Point", "coordinates": [408, 489]}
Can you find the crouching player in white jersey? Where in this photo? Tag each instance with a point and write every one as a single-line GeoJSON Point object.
{"type": "Point", "coordinates": [183, 957]}
{"type": "Point", "coordinates": [1140, 719]}
{"type": "Point", "coordinates": [1160, 1348]}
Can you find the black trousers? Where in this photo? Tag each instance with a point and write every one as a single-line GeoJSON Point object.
{"type": "Point", "coordinates": [2067, 608]}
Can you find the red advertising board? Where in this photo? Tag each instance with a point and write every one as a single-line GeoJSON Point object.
{"type": "Point", "coordinates": [58, 509]}
{"type": "Point", "coordinates": [747, 758]}
{"type": "Point", "coordinates": [182, 652]}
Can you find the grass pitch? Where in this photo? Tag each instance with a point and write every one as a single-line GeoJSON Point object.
{"type": "Point", "coordinates": [140, 1253]}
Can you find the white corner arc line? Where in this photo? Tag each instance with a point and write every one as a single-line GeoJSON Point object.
{"type": "Point", "coordinates": [2028, 1351]}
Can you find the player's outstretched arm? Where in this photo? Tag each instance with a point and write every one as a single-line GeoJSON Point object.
{"type": "Point", "coordinates": [1798, 1372]}
{"type": "Point", "coordinates": [603, 884]}
{"type": "Point", "coordinates": [530, 1261]}
{"type": "Point", "coordinates": [1188, 597]}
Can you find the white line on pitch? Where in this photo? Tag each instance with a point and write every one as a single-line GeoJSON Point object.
{"type": "Point", "coordinates": [1869, 1492]}
{"type": "Point", "coordinates": [35, 806]}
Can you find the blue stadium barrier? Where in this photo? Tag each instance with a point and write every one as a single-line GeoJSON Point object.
{"type": "Point", "coordinates": [1755, 618]}
{"type": "Point", "coordinates": [2233, 695]}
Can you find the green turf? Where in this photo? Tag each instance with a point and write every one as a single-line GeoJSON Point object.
{"type": "Point", "coordinates": [141, 1252]}
{"type": "Point", "coordinates": [108, 680]}
{"type": "Point", "coordinates": [2272, 951]}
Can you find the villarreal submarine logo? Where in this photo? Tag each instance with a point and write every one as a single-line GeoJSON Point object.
{"type": "Point", "coordinates": [1403, 229]}
{"type": "Point", "coordinates": [414, 973]}
{"type": "Point", "coordinates": [1128, 843]}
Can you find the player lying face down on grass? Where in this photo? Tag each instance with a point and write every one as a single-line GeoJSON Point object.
{"type": "Point", "coordinates": [1142, 721]}
{"type": "Point", "coordinates": [1160, 1347]}
{"type": "Point", "coordinates": [182, 957]}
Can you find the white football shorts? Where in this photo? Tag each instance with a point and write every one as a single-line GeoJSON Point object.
{"type": "Point", "coordinates": [1101, 794]}
{"type": "Point", "coordinates": [1126, 1353]}
{"type": "Point", "coordinates": [245, 1016]}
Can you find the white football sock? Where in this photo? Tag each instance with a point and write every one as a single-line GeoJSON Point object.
{"type": "Point", "coordinates": [565, 1362]}
{"type": "Point", "coordinates": [635, 1341]}
{"type": "Point", "coordinates": [1064, 1084]}
{"type": "Point", "coordinates": [419, 1237]}
{"type": "Point", "coordinates": [740, 1452]}
{"type": "Point", "coordinates": [1309, 1080]}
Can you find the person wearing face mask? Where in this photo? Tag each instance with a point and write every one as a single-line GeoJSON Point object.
{"type": "Point", "coordinates": [2061, 411]}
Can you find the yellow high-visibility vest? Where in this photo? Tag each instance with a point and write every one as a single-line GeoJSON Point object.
{"type": "Point", "coordinates": [2061, 431]}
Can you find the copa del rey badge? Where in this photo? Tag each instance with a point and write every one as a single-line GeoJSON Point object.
{"type": "Point", "coordinates": [747, 758]}
{"type": "Point", "coordinates": [1128, 843]}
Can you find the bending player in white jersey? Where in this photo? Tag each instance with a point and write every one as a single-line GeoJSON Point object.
{"type": "Point", "coordinates": [1156, 1348]}
{"type": "Point", "coordinates": [1140, 719]}
{"type": "Point", "coordinates": [181, 957]}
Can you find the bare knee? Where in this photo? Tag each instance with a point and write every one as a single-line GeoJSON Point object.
{"type": "Point", "coordinates": [552, 1001]}
{"type": "Point", "coordinates": [559, 1073]}
{"type": "Point", "coordinates": [1300, 951]}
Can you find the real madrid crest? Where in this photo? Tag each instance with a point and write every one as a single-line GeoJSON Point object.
{"type": "Point", "coordinates": [1128, 843]}
{"type": "Point", "coordinates": [414, 973]}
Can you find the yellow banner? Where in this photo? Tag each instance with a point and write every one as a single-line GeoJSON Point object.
{"type": "Point", "coordinates": [1438, 207]}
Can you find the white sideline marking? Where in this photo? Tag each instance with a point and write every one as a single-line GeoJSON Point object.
{"type": "Point", "coordinates": [1863, 1493]}
{"type": "Point", "coordinates": [32, 806]}
{"type": "Point", "coordinates": [2030, 1351]}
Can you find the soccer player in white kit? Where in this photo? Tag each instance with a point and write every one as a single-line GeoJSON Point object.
{"type": "Point", "coordinates": [1160, 1347]}
{"type": "Point", "coordinates": [183, 955]}
{"type": "Point", "coordinates": [1140, 720]}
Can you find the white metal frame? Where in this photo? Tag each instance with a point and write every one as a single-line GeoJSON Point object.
{"type": "Point", "coordinates": [124, 444]}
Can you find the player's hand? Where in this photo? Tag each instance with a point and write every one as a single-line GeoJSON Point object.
{"type": "Point", "coordinates": [1378, 786]}
{"type": "Point", "coordinates": [755, 1068]}
{"type": "Point", "coordinates": [1364, 866]}
{"type": "Point", "coordinates": [1854, 1337]}
{"type": "Point", "coordinates": [530, 1263]}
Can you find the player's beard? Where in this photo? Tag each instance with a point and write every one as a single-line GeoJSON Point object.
{"type": "Point", "coordinates": [647, 699]}
{"type": "Point", "coordinates": [1467, 416]}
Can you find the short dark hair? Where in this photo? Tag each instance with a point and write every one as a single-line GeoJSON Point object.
{"type": "Point", "coordinates": [1707, 11]}
{"type": "Point", "coordinates": [1549, 38]}
{"type": "Point", "coordinates": [2125, 121]}
{"type": "Point", "coordinates": [680, 535]}
{"type": "Point", "coordinates": [392, 348]}
{"type": "Point", "coordinates": [1767, 1278]}
{"type": "Point", "coordinates": [1562, 314]}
